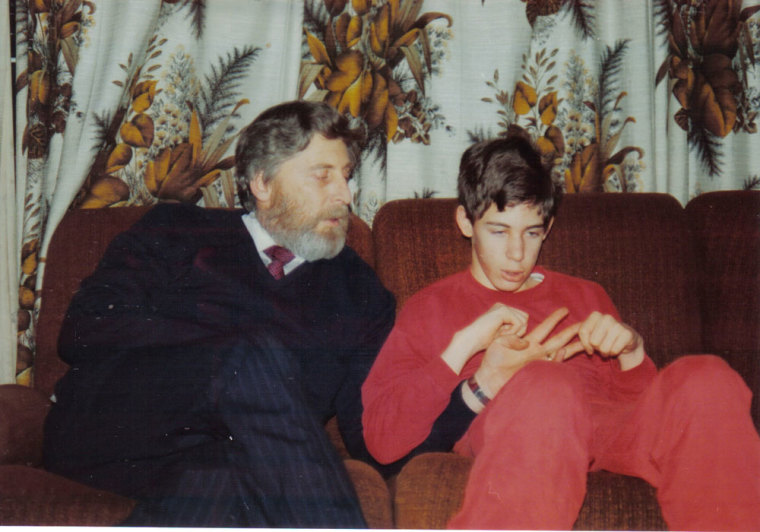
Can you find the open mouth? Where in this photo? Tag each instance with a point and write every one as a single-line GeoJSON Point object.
{"type": "Point", "coordinates": [512, 277]}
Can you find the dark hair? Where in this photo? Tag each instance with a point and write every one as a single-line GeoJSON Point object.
{"type": "Point", "coordinates": [505, 171]}
{"type": "Point", "coordinates": [282, 131]}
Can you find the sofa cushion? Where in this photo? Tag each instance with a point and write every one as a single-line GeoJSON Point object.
{"type": "Point", "coordinates": [430, 488]}
{"type": "Point", "coordinates": [23, 413]}
{"type": "Point", "coordinates": [33, 497]}
{"type": "Point", "coordinates": [374, 497]}
{"type": "Point", "coordinates": [619, 502]}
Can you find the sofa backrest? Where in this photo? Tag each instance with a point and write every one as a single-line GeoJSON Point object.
{"type": "Point", "coordinates": [635, 245]}
{"type": "Point", "coordinates": [727, 230]}
{"type": "Point", "coordinates": [638, 246]}
{"type": "Point", "coordinates": [726, 227]}
{"type": "Point", "coordinates": [417, 242]}
{"type": "Point", "coordinates": [77, 245]}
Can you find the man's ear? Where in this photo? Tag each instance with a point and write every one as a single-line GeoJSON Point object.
{"type": "Point", "coordinates": [548, 227]}
{"type": "Point", "coordinates": [261, 189]}
{"type": "Point", "coordinates": [464, 223]}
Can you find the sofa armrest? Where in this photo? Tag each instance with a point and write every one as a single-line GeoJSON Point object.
{"type": "Point", "coordinates": [22, 416]}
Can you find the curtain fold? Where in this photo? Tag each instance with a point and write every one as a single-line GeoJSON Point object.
{"type": "Point", "coordinates": [128, 103]}
{"type": "Point", "coordinates": [9, 207]}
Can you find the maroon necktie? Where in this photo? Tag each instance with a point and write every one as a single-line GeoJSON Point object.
{"type": "Point", "coordinates": [280, 257]}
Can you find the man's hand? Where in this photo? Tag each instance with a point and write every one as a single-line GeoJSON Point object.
{"type": "Point", "coordinates": [605, 335]}
{"type": "Point", "coordinates": [499, 319]}
{"type": "Point", "coordinates": [508, 353]}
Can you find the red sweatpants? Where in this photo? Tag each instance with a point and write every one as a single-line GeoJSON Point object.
{"type": "Point", "coordinates": [690, 435]}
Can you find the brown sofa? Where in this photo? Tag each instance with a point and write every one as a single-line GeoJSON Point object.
{"type": "Point", "coordinates": [687, 278]}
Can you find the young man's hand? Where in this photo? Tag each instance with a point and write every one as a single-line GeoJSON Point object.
{"type": "Point", "coordinates": [508, 353]}
{"type": "Point", "coordinates": [499, 319]}
{"type": "Point", "coordinates": [605, 335]}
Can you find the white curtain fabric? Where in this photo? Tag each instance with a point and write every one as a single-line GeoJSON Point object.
{"type": "Point", "coordinates": [635, 96]}
{"type": "Point", "coordinates": [491, 47]}
{"type": "Point", "coordinates": [120, 30]}
{"type": "Point", "coordinates": [9, 208]}
{"type": "Point", "coordinates": [136, 73]}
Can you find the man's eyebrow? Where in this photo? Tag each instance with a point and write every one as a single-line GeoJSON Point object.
{"type": "Point", "coordinates": [319, 166]}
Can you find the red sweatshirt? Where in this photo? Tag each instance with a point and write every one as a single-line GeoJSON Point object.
{"type": "Point", "coordinates": [409, 385]}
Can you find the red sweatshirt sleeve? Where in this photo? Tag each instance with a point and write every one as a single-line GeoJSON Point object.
{"type": "Point", "coordinates": [409, 385]}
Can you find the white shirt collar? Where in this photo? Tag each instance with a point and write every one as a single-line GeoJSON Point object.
{"type": "Point", "coordinates": [262, 240]}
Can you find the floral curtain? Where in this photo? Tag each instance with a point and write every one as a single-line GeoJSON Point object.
{"type": "Point", "coordinates": [130, 103]}
{"type": "Point", "coordinates": [127, 103]}
{"type": "Point", "coordinates": [8, 235]}
{"type": "Point", "coordinates": [620, 96]}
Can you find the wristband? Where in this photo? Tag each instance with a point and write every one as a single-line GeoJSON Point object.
{"type": "Point", "coordinates": [477, 391]}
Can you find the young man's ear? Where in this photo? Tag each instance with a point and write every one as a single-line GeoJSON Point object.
{"type": "Point", "coordinates": [549, 225]}
{"type": "Point", "coordinates": [463, 222]}
{"type": "Point", "coordinates": [261, 189]}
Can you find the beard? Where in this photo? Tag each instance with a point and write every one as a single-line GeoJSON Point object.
{"type": "Point", "coordinates": [291, 224]}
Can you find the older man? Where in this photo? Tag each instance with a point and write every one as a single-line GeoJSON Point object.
{"type": "Point", "coordinates": [208, 348]}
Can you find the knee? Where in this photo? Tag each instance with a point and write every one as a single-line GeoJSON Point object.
{"type": "Point", "coordinates": [261, 368]}
{"type": "Point", "coordinates": [705, 380]}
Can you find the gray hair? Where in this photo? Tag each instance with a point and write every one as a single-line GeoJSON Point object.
{"type": "Point", "coordinates": [281, 132]}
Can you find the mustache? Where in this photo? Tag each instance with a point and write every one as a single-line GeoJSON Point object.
{"type": "Point", "coordinates": [338, 211]}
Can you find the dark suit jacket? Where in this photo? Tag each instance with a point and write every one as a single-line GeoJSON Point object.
{"type": "Point", "coordinates": [145, 333]}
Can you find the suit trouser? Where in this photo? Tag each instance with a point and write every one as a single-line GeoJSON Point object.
{"type": "Point", "coordinates": [690, 435]}
{"type": "Point", "coordinates": [237, 442]}
{"type": "Point", "coordinates": [276, 468]}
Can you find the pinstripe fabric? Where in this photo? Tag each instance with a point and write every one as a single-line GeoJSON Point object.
{"type": "Point", "coordinates": [175, 398]}
{"type": "Point", "coordinates": [275, 468]}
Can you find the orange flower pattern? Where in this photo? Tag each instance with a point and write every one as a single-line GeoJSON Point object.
{"type": "Point", "coordinates": [160, 153]}
{"type": "Point", "coordinates": [370, 59]}
{"type": "Point", "coordinates": [169, 135]}
{"type": "Point", "coordinates": [168, 138]}
{"type": "Point", "coordinates": [709, 52]}
{"type": "Point", "coordinates": [52, 31]}
{"type": "Point", "coordinates": [577, 141]}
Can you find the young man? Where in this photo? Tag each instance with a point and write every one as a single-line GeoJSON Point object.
{"type": "Point", "coordinates": [205, 359]}
{"type": "Point", "coordinates": [554, 382]}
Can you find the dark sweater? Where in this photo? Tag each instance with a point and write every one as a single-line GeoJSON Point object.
{"type": "Point", "coordinates": [143, 334]}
